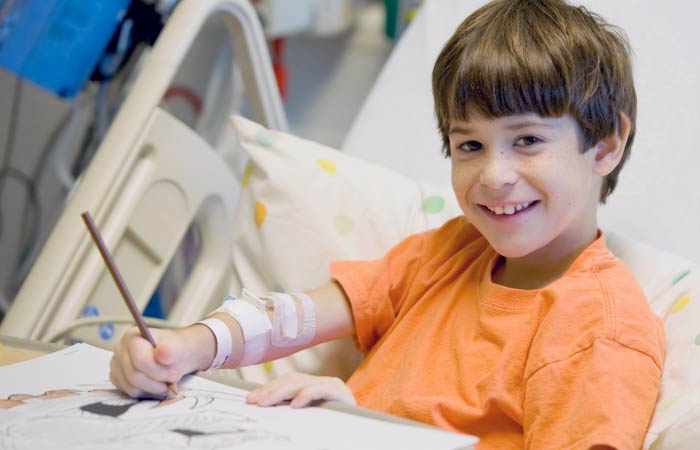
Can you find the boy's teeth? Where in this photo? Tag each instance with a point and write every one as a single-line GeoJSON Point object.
{"type": "Point", "coordinates": [509, 209]}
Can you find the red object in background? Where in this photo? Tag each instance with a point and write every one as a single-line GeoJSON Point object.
{"type": "Point", "coordinates": [187, 93]}
{"type": "Point", "coordinates": [278, 66]}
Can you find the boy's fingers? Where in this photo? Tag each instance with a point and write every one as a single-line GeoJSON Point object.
{"type": "Point", "coordinates": [273, 386]}
{"type": "Point", "coordinates": [116, 376]}
{"type": "Point", "coordinates": [327, 390]}
{"type": "Point", "coordinates": [309, 394]}
{"type": "Point", "coordinates": [301, 389]}
{"type": "Point", "coordinates": [140, 357]}
{"type": "Point", "coordinates": [140, 382]}
{"type": "Point", "coordinates": [278, 393]}
{"type": "Point", "coordinates": [164, 354]}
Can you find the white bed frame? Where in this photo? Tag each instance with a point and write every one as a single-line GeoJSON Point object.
{"type": "Point", "coordinates": [150, 180]}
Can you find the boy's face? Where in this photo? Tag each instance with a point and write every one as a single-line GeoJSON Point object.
{"type": "Point", "coordinates": [525, 184]}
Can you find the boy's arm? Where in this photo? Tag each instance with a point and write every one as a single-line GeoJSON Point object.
{"type": "Point", "coordinates": [334, 320]}
{"type": "Point", "coordinates": [137, 368]}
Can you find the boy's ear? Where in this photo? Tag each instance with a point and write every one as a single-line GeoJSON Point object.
{"type": "Point", "coordinates": [610, 149]}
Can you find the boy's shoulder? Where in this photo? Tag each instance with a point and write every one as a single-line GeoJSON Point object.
{"type": "Point", "coordinates": [598, 298]}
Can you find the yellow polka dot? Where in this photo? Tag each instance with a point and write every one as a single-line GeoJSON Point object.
{"type": "Point", "coordinates": [260, 213]}
{"type": "Point", "coordinates": [342, 224]}
{"type": "Point", "coordinates": [680, 304]}
{"type": "Point", "coordinates": [326, 164]}
{"type": "Point", "coordinates": [268, 366]}
{"type": "Point", "coordinates": [410, 14]}
{"type": "Point", "coordinates": [246, 175]}
{"type": "Point", "coordinates": [666, 403]}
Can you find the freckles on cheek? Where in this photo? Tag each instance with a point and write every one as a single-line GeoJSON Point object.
{"type": "Point", "coordinates": [456, 180]}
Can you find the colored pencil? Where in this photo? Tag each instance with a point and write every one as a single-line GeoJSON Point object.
{"type": "Point", "coordinates": [126, 295]}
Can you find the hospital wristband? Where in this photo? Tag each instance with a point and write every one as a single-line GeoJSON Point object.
{"type": "Point", "coordinates": [224, 341]}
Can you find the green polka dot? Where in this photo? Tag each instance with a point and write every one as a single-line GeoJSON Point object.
{"type": "Point", "coordinates": [278, 288]}
{"type": "Point", "coordinates": [697, 340]}
{"type": "Point", "coordinates": [433, 204]}
{"type": "Point", "coordinates": [265, 138]}
{"type": "Point", "coordinates": [342, 224]}
{"type": "Point", "coordinates": [679, 276]}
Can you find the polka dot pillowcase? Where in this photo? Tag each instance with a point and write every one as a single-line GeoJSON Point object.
{"type": "Point", "coordinates": [676, 421]}
{"type": "Point", "coordinates": [303, 205]}
{"type": "Point", "coordinates": [672, 286]}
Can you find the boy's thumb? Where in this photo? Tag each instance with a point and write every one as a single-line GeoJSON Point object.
{"type": "Point", "coordinates": [164, 354]}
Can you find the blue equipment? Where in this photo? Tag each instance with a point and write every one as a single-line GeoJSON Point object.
{"type": "Point", "coordinates": [56, 44]}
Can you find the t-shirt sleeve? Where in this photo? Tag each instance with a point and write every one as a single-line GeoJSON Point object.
{"type": "Point", "coordinates": [376, 289]}
{"type": "Point", "coordinates": [602, 395]}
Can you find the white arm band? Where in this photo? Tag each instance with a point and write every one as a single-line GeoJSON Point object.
{"type": "Point", "coordinates": [224, 342]}
{"type": "Point", "coordinates": [259, 332]}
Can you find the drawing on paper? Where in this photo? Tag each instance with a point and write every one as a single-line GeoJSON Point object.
{"type": "Point", "coordinates": [103, 418]}
{"type": "Point", "coordinates": [64, 400]}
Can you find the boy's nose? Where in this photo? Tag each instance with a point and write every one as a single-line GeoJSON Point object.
{"type": "Point", "coordinates": [498, 171]}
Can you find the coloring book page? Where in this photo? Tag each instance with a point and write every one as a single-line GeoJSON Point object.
{"type": "Point", "coordinates": [64, 400]}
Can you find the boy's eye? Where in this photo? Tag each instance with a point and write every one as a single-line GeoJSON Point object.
{"type": "Point", "coordinates": [471, 146]}
{"type": "Point", "coordinates": [528, 140]}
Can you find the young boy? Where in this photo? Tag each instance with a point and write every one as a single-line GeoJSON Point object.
{"type": "Point", "coordinates": [513, 323]}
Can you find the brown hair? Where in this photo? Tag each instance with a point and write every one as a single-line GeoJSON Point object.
{"type": "Point", "coordinates": [541, 56]}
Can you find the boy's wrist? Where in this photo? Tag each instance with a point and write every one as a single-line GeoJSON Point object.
{"type": "Point", "coordinates": [201, 344]}
{"type": "Point", "coordinates": [201, 347]}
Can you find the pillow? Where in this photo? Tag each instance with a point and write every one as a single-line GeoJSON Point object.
{"type": "Point", "coordinates": [676, 418]}
{"type": "Point", "coordinates": [672, 286]}
{"type": "Point", "coordinates": [303, 205]}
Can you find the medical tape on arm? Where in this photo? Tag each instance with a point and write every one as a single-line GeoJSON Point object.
{"type": "Point", "coordinates": [259, 333]}
{"type": "Point", "coordinates": [249, 312]}
{"type": "Point", "coordinates": [285, 324]}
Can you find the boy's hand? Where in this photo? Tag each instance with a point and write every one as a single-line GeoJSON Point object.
{"type": "Point", "coordinates": [137, 368]}
{"type": "Point", "coordinates": [301, 389]}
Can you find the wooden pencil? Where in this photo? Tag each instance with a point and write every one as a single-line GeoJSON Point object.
{"type": "Point", "coordinates": [117, 277]}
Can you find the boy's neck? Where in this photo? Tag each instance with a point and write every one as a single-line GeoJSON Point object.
{"type": "Point", "coordinates": [542, 267]}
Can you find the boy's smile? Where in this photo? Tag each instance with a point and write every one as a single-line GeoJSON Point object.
{"type": "Point", "coordinates": [524, 183]}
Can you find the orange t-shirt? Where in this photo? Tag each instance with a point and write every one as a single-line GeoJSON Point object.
{"type": "Point", "coordinates": [567, 366]}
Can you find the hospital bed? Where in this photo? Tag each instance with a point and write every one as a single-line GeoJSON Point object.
{"type": "Point", "coordinates": [152, 178]}
{"type": "Point", "coordinates": [145, 207]}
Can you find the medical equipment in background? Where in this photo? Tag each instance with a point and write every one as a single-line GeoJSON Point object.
{"type": "Point", "coordinates": [202, 99]}
{"type": "Point", "coordinates": [57, 43]}
{"type": "Point", "coordinates": [151, 179]}
{"type": "Point", "coordinates": [75, 55]}
{"type": "Point", "coordinates": [319, 17]}
{"type": "Point", "coordinates": [398, 15]}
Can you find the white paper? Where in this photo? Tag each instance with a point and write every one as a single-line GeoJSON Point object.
{"type": "Point", "coordinates": [64, 400]}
